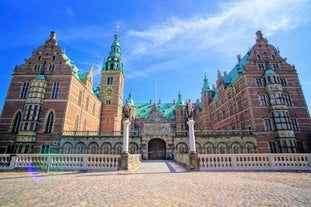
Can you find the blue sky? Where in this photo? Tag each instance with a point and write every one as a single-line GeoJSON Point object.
{"type": "Point", "coordinates": [168, 43]}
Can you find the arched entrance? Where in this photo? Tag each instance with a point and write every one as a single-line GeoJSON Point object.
{"type": "Point", "coordinates": [156, 149]}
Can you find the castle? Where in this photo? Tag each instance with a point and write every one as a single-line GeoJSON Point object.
{"type": "Point", "coordinates": [53, 107]}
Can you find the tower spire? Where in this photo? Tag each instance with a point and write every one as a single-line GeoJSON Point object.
{"type": "Point", "coordinates": [206, 86]}
{"type": "Point", "coordinates": [114, 61]}
{"type": "Point", "coordinates": [180, 101]}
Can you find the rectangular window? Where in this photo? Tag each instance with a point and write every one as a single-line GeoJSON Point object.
{"type": "Point", "coordinates": [283, 81]}
{"type": "Point", "coordinates": [276, 66]}
{"type": "Point", "coordinates": [80, 99]}
{"type": "Point", "coordinates": [268, 125]}
{"type": "Point", "coordinates": [108, 102]}
{"type": "Point", "coordinates": [262, 100]}
{"type": "Point", "coordinates": [272, 147]}
{"type": "Point", "coordinates": [55, 90]}
{"type": "Point", "coordinates": [240, 105]}
{"type": "Point", "coordinates": [294, 124]}
{"type": "Point", "coordinates": [288, 100]}
{"type": "Point", "coordinates": [258, 82]}
{"type": "Point", "coordinates": [93, 110]}
{"type": "Point", "coordinates": [260, 66]}
{"type": "Point", "coordinates": [36, 67]}
{"type": "Point", "coordinates": [24, 91]}
{"type": "Point", "coordinates": [87, 104]}
{"type": "Point", "coordinates": [109, 80]}
{"type": "Point", "coordinates": [276, 99]}
{"type": "Point", "coordinates": [300, 147]}
{"type": "Point", "coordinates": [268, 80]}
{"type": "Point", "coordinates": [281, 120]}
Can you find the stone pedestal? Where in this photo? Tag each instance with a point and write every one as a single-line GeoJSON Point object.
{"type": "Point", "coordinates": [191, 136]}
{"type": "Point", "coordinates": [194, 161]}
{"type": "Point", "coordinates": [124, 161]}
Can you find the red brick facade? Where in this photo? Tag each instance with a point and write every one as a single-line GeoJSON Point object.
{"type": "Point", "coordinates": [51, 106]}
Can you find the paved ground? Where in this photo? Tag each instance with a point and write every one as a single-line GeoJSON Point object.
{"type": "Point", "coordinates": [155, 183]}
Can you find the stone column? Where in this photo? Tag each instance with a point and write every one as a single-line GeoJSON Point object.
{"type": "Point", "coordinates": [125, 146]}
{"type": "Point", "coordinates": [126, 131]}
{"type": "Point", "coordinates": [194, 158]}
{"type": "Point", "coordinates": [191, 136]}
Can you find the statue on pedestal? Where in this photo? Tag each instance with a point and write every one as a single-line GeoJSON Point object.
{"type": "Point", "coordinates": [189, 110]}
{"type": "Point", "coordinates": [126, 110]}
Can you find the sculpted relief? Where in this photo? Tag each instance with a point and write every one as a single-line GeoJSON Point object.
{"type": "Point", "coordinates": [157, 128]}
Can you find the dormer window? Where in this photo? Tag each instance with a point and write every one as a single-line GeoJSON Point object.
{"type": "Point", "coordinates": [39, 57]}
{"type": "Point", "coordinates": [258, 57]}
{"type": "Point", "coordinates": [273, 57]}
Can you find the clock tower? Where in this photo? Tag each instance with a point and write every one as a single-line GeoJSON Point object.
{"type": "Point", "coordinates": [111, 90]}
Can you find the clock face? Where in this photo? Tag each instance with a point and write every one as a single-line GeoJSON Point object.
{"type": "Point", "coordinates": [109, 91]}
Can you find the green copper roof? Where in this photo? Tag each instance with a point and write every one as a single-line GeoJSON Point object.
{"type": "Point", "coordinates": [96, 91]}
{"type": "Point", "coordinates": [71, 64]}
{"type": "Point", "coordinates": [206, 86]}
{"type": "Point", "coordinates": [167, 109]}
{"type": "Point", "coordinates": [180, 101]}
{"type": "Point", "coordinates": [115, 47]}
{"type": "Point", "coordinates": [40, 77]}
{"type": "Point", "coordinates": [234, 74]}
{"type": "Point", "coordinates": [114, 61]}
{"type": "Point", "coordinates": [269, 72]}
{"type": "Point", "coordinates": [82, 75]}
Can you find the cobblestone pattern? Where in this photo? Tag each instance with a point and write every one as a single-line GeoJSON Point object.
{"type": "Point", "coordinates": [155, 183]}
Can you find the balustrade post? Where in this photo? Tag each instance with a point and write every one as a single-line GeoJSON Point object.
{"type": "Point", "coordinates": [234, 161]}
{"type": "Point", "coordinates": [272, 161]}
{"type": "Point", "coordinates": [12, 161]}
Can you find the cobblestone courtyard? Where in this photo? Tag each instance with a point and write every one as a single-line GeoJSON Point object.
{"type": "Point", "coordinates": [155, 183]}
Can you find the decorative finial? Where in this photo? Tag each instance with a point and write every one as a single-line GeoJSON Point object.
{"type": "Point", "coordinates": [117, 28]}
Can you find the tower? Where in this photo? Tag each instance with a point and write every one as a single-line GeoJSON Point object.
{"type": "Point", "coordinates": [206, 98]}
{"type": "Point", "coordinates": [180, 114]}
{"type": "Point", "coordinates": [111, 89]}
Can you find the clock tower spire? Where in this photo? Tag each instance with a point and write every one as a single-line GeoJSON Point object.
{"type": "Point", "coordinates": [111, 89]}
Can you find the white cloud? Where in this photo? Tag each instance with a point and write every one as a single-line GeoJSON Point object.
{"type": "Point", "coordinates": [231, 27]}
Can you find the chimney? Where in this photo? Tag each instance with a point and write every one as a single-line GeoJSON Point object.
{"type": "Point", "coordinates": [225, 73]}
{"type": "Point", "coordinates": [238, 57]}
{"type": "Point", "coordinates": [174, 102]}
{"type": "Point", "coordinates": [159, 101]}
{"type": "Point", "coordinates": [213, 86]}
{"type": "Point", "coordinates": [150, 101]}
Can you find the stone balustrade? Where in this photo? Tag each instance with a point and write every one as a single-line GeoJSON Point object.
{"type": "Point", "coordinates": [59, 162]}
{"type": "Point", "coordinates": [239, 162]}
{"type": "Point", "coordinates": [134, 161]}
{"type": "Point", "coordinates": [183, 159]}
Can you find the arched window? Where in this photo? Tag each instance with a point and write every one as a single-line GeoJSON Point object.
{"type": "Point", "coordinates": [49, 123]}
{"type": "Point", "coordinates": [84, 125]}
{"type": "Point", "coordinates": [93, 149]}
{"type": "Point", "coordinates": [16, 122]}
{"type": "Point", "coordinates": [80, 148]}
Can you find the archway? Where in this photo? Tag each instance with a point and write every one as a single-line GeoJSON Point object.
{"type": "Point", "coordinates": [156, 149]}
